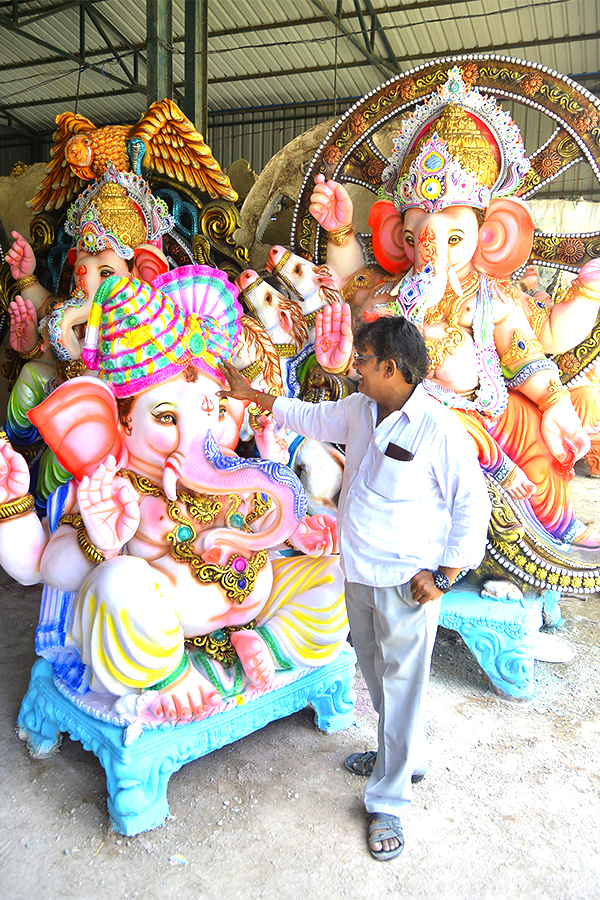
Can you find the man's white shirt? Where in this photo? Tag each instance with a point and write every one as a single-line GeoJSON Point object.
{"type": "Point", "coordinates": [398, 517]}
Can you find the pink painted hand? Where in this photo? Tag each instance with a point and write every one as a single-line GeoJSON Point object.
{"type": "Point", "coordinates": [269, 441]}
{"type": "Point", "coordinates": [316, 536]}
{"type": "Point", "coordinates": [23, 325]}
{"type": "Point", "coordinates": [333, 337]}
{"type": "Point", "coordinates": [330, 204]}
{"type": "Point", "coordinates": [14, 473]}
{"type": "Point", "coordinates": [564, 435]}
{"type": "Point", "coordinates": [589, 275]}
{"type": "Point", "coordinates": [20, 257]}
{"type": "Point", "coordinates": [109, 508]}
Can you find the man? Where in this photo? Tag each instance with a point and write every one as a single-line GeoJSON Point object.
{"type": "Point", "coordinates": [413, 512]}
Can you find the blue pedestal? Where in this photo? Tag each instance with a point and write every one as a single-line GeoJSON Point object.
{"type": "Point", "coordinates": [500, 635]}
{"type": "Point", "coordinates": [138, 765]}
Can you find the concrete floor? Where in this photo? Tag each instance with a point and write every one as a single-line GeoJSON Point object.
{"type": "Point", "coordinates": [510, 806]}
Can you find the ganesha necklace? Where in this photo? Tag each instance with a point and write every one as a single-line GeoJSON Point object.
{"type": "Point", "coordinates": [238, 575]}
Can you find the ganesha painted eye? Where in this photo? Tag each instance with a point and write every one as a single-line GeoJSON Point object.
{"type": "Point", "coordinates": [165, 418]}
{"type": "Point", "coordinates": [409, 239]}
{"type": "Point", "coordinates": [222, 407]}
{"type": "Point", "coordinates": [455, 238]}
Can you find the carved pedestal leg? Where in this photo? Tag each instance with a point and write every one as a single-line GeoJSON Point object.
{"type": "Point", "coordinates": [137, 789]}
{"type": "Point", "coordinates": [35, 723]}
{"type": "Point", "coordinates": [334, 703]}
{"type": "Point", "coordinates": [500, 634]}
{"type": "Point", "coordinates": [551, 610]}
{"type": "Point", "coordinates": [506, 659]}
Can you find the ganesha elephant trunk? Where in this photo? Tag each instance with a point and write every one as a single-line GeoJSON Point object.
{"type": "Point", "coordinates": [62, 321]}
{"type": "Point", "coordinates": [431, 261]}
{"type": "Point", "coordinates": [203, 468]}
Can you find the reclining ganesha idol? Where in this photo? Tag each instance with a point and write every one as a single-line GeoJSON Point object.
{"type": "Point", "coordinates": [162, 589]}
{"type": "Point", "coordinates": [450, 232]}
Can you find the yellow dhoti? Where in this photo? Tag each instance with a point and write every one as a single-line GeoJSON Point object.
{"type": "Point", "coordinates": [130, 636]}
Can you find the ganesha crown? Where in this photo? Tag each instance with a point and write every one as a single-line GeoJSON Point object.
{"type": "Point", "coordinates": [435, 178]}
{"type": "Point", "coordinates": [118, 211]}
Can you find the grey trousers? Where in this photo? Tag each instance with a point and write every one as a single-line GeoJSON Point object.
{"type": "Point", "coordinates": [393, 636]}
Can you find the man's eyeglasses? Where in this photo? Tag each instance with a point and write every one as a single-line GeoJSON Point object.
{"type": "Point", "coordinates": [359, 359]}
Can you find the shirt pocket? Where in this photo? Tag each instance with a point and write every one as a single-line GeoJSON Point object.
{"type": "Point", "coordinates": [396, 479]}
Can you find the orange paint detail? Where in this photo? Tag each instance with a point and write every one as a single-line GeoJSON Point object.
{"type": "Point", "coordinates": [427, 245]}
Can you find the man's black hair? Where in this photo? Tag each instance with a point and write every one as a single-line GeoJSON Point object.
{"type": "Point", "coordinates": [394, 337]}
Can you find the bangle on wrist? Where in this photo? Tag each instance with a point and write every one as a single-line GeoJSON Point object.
{"type": "Point", "coordinates": [31, 354]}
{"type": "Point", "coordinates": [556, 392]}
{"type": "Point", "coordinates": [89, 550]}
{"type": "Point", "coordinates": [337, 236]}
{"type": "Point", "coordinates": [26, 281]}
{"type": "Point", "coordinates": [12, 509]}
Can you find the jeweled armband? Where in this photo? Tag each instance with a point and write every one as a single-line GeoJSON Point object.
{"type": "Point", "coordinates": [521, 348]}
{"type": "Point", "coordinates": [531, 369]}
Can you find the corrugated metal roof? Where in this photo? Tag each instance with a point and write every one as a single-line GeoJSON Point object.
{"type": "Point", "coordinates": [264, 54]}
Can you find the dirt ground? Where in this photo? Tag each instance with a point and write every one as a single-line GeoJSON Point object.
{"type": "Point", "coordinates": [510, 806]}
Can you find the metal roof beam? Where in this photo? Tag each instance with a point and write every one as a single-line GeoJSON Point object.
{"type": "Point", "coordinates": [52, 9]}
{"type": "Point", "coordinates": [98, 26]}
{"type": "Point", "coordinates": [408, 58]}
{"type": "Point", "coordinates": [582, 78]}
{"type": "Point", "coordinates": [383, 66]}
{"type": "Point", "coordinates": [10, 117]}
{"type": "Point", "coordinates": [8, 24]}
{"type": "Point", "coordinates": [319, 20]}
{"type": "Point", "coordinates": [376, 24]}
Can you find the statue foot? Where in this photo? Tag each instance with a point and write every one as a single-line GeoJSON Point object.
{"type": "Point", "coordinates": [500, 589]}
{"type": "Point", "coordinates": [588, 538]}
{"type": "Point", "coordinates": [255, 657]}
{"type": "Point", "coordinates": [190, 697]}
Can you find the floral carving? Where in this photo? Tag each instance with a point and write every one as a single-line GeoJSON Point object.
{"type": "Point", "coordinates": [357, 124]}
{"type": "Point", "coordinates": [586, 120]}
{"type": "Point", "coordinates": [470, 74]}
{"type": "Point", "coordinates": [568, 364]}
{"type": "Point", "coordinates": [571, 250]}
{"type": "Point", "coordinates": [547, 163]}
{"type": "Point", "coordinates": [407, 89]}
{"type": "Point", "coordinates": [373, 171]}
{"type": "Point", "coordinates": [332, 155]}
{"type": "Point", "coordinates": [531, 84]}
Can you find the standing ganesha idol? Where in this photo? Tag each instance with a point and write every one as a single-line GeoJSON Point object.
{"type": "Point", "coordinates": [157, 566]}
{"type": "Point", "coordinates": [450, 231]}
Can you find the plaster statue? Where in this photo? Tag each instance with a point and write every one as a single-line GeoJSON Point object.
{"type": "Point", "coordinates": [163, 535]}
{"type": "Point", "coordinates": [449, 231]}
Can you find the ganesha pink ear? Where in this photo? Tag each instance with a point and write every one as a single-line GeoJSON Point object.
{"type": "Point", "coordinates": [386, 222]}
{"type": "Point", "coordinates": [79, 423]}
{"type": "Point", "coordinates": [505, 238]}
{"type": "Point", "coordinates": [148, 262]}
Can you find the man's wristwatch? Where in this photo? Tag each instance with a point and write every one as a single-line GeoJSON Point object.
{"type": "Point", "coordinates": [441, 581]}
